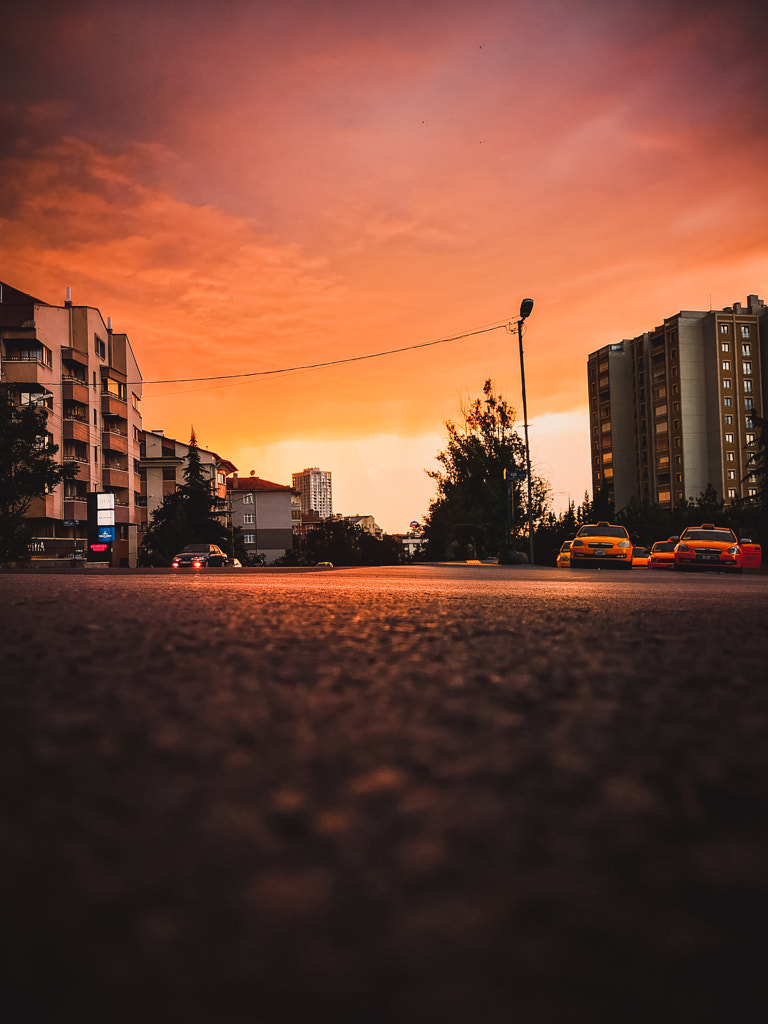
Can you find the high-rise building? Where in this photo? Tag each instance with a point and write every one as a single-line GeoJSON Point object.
{"type": "Point", "coordinates": [314, 489]}
{"type": "Point", "coordinates": [673, 410]}
{"type": "Point", "coordinates": [68, 360]}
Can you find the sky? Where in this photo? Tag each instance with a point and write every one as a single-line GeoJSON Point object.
{"type": "Point", "coordinates": [260, 187]}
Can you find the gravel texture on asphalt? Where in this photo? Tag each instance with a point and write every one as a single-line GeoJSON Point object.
{"type": "Point", "coordinates": [383, 796]}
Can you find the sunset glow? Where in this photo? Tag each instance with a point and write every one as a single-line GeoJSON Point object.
{"type": "Point", "coordinates": [257, 186]}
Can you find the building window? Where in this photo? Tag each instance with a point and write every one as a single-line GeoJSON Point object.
{"type": "Point", "coordinates": [731, 492]}
{"type": "Point", "coordinates": [113, 387]}
{"type": "Point", "coordinates": [749, 403]}
{"type": "Point", "coordinates": [728, 420]}
{"type": "Point", "coordinates": [727, 402]}
{"type": "Point", "coordinates": [679, 478]}
{"type": "Point", "coordinates": [729, 457]}
{"type": "Point", "coordinates": [752, 492]}
{"type": "Point", "coordinates": [731, 474]}
{"type": "Point", "coordinates": [169, 474]}
{"type": "Point", "coordinates": [249, 519]}
{"type": "Point", "coordinates": [749, 423]}
{"type": "Point", "coordinates": [729, 438]}
{"type": "Point", "coordinates": [247, 499]}
{"type": "Point", "coordinates": [724, 328]}
{"type": "Point", "coordinates": [249, 538]}
{"type": "Point", "coordinates": [726, 382]}
{"type": "Point", "coordinates": [726, 364]}
{"type": "Point", "coordinates": [746, 350]}
{"type": "Point", "coordinates": [745, 331]}
{"type": "Point", "coordinates": [747, 386]}
{"type": "Point", "coordinates": [99, 347]}
{"type": "Point", "coordinates": [750, 438]}
{"type": "Point", "coordinates": [746, 369]}
{"type": "Point", "coordinates": [664, 496]}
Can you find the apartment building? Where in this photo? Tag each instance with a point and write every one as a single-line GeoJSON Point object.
{"type": "Point", "coordinates": [672, 410]}
{"type": "Point", "coordinates": [263, 511]}
{"type": "Point", "coordinates": [314, 489]}
{"type": "Point", "coordinates": [162, 462]}
{"type": "Point", "coordinates": [67, 359]}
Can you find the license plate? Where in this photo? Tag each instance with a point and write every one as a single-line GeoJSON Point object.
{"type": "Point", "coordinates": [599, 551]}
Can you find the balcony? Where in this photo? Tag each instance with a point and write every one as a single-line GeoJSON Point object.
{"type": "Point", "coordinates": [114, 441]}
{"type": "Point", "coordinates": [74, 390]}
{"type": "Point", "coordinates": [74, 355]}
{"type": "Point", "coordinates": [111, 405]}
{"type": "Point", "coordinates": [75, 430]}
{"type": "Point", "coordinates": [83, 469]}
{"type": "Point", "coordinates": [113, 477]}
{"type": "Point", "coordinates": [122, 511]}
{"type": "Point", "coordinates": [25, 371]}
{"type": "Point", "coordinates": [74, 508]}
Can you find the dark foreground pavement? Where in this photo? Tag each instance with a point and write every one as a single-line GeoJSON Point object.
{"type": "Point", "coordinates": [409, 796]}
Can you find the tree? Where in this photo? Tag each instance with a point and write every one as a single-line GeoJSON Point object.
{"type": "Point", "coordinates": [28, 470]}
{"type": "Point", "coordinates": [191, 515]}
{"type": "Point", "coordinates": [343, 543]}
{"type": "Point", "coordinates": [468, 517]}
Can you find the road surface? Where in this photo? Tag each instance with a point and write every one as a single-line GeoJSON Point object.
{"type": "Point", "coordinates": [424, 795]}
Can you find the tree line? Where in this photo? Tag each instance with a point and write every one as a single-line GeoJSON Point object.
{"type": "Point", "coordinates": [480, 509]}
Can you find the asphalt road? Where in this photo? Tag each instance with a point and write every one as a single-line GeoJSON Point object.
{"type": "Point", "coordinates": [429, 795]}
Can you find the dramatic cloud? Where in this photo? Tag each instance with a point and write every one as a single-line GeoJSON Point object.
{"type": "Point", "coordinates": [251, 186]}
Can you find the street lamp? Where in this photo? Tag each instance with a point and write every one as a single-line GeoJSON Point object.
{"type": "Point", "coordinates": [525, 311]}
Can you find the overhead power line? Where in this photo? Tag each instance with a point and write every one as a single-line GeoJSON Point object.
{"type": "Point", "coordinates": [255, 374]}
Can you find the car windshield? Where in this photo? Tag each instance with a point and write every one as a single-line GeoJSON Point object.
{"type": "Point", "coordinates": [196, 549]}
{"type": "Point", "coordinates": [602, 531]}
{"type": "Point", "coordinates": [722, 536]}
{"type": "Point", "coordinates": [664, 545]}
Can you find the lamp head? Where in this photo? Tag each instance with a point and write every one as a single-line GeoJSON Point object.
{"type": "Point", "coordinates": [525, 308]}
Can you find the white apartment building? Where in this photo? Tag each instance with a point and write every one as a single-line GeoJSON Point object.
{"type": "Point", "coordinates": [314, 489]}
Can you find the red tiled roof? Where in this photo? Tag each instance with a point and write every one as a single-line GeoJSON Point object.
{"type": "Point", "coordinates": [254, 483]}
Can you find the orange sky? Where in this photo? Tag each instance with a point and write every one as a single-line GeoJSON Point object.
{"type": "Point", "coordinates": [250, 186]}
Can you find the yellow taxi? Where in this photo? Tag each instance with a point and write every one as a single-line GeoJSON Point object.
{"type": "Point", "coordinates": [710, 547]}
{"type": "Point", "coordinates": [564, 555]}
{"type": "Point", "coordinates": [663, 554]}
{"type": "Point", "coordinates": [640, 557]}
{"type": "Point", "coordinates": [598, 545]}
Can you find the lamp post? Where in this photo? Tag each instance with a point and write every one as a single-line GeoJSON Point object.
{"type": "Point", "coordinates": [525, 311]}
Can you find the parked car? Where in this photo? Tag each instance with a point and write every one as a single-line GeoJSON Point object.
{"type": "Point", "coordinates": [640, 557]}
{"type": "Point", "coordinates": [564, 555]}
{"type": "Point", "coordinates": [324, 565]}
{"type": "Point", "coordinates": [663, 554]}
{"type": "Point", "coordinates": [713, 547]}
{"type": "Point", "coordinates": [197, 556]}
{"type": "Point", "coordinates": [598, 545]}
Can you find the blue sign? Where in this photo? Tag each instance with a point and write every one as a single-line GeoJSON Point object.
{"type": "Point", "coordinates": [106, 533]}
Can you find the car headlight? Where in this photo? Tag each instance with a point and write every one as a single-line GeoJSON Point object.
{"type": "Point", "coordinates": [623, 544]}
{"type": "Point", "coordinates": [734, 550]}
{"type": "Point", "coordinates": [682, 547]}
{"type": "Point", "coordinates": [575, 542]}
